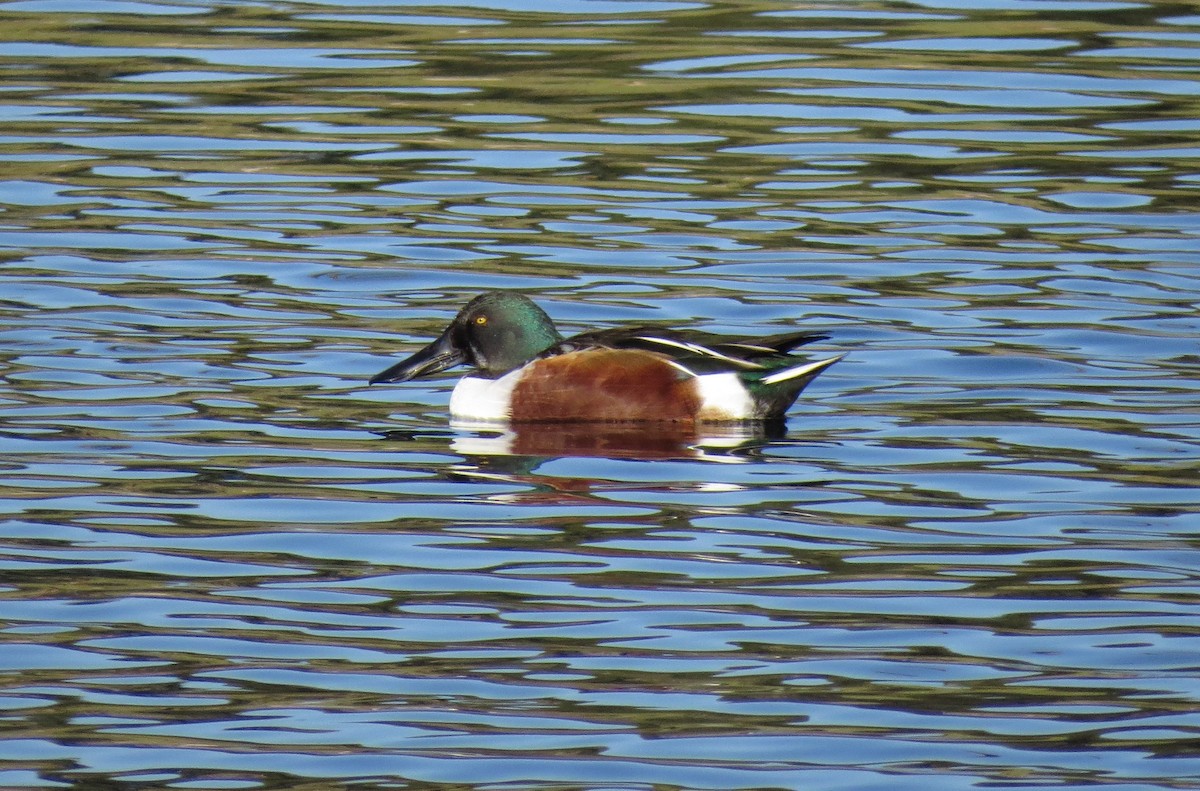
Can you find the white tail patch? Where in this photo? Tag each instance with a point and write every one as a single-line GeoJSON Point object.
{"type": "Point", "coordinates": [724, 397]}
{"type": "Point", "coordinates": [800, 370]}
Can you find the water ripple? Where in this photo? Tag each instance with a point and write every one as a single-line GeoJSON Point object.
{"type": "Point", "coordinates": [969, 560]}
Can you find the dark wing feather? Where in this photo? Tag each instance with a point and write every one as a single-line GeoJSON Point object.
{"type": "Point", "coordinates": [771, 345]}
{"type": "Point", "coordinates": [698, 351]}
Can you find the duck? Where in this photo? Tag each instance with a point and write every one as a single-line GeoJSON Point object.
{"type": "Point", "coordinates": [524, 371]}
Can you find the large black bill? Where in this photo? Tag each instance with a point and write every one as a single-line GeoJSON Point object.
{"type": "Point", "coordinates": [437, 356]}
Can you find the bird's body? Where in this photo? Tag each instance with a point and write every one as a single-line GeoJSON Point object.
{"type": "Point", "coordinates": [526, 372]}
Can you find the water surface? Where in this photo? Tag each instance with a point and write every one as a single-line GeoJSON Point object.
{"type": "Point", "coordinates": [970, 562]}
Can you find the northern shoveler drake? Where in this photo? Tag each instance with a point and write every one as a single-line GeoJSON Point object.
{"type": "Point", "coordinates": [526, 372]}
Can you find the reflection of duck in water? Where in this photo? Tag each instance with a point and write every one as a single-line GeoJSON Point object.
{"type": "Point", "coordinates": [527, 373]}
{"type": "Point", "coordinates": [728, 443]}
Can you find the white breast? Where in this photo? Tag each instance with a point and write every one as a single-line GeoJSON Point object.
{"type": "Point", "coordinates": [475, 398]}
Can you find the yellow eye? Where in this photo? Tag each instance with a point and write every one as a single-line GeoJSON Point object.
{"type": "Point", "coordinates": [481, 320]}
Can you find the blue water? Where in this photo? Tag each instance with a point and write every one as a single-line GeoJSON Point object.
{"type": "Point", "coordinates": [970, 562]}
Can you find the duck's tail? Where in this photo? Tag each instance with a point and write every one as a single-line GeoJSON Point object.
{"type": "Point", "coordinates": [778, 390]}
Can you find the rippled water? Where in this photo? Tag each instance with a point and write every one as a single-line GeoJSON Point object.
{"type": "Point", "coordinates": [971, 561]}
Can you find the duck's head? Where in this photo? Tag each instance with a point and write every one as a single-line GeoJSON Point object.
{"type": "Point", "coordinates": [496, 333]}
